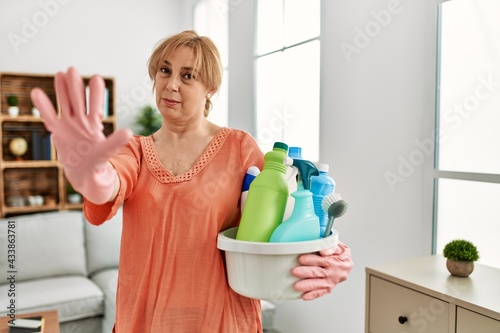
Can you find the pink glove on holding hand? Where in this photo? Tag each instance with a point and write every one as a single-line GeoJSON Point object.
{"type": "Point", "coordinates": [320, 273]}
{"type": "Point", "coordinates": [82, 148]}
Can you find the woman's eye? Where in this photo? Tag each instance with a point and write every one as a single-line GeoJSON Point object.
{"type": "Point", "coordinates": [165, 70]}
{"type": "Point", "coordinates": [188, 76]}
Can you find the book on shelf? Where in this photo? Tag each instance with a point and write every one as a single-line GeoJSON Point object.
{"type": "Point", "coordinates": [47, 148]}
{"type": "Point", "coordinates": [105, 106]}
{"type": "Point", "coordinates": [36, 146]}
{"type": "Point", "coordinates": [28, 325]}
{"type": "Point", "coordinates": [41, 149]}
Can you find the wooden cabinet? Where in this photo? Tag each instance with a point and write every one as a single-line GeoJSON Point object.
{"type": "Point", "coordinates": [419, 295]}
{"type": "Point", "coordinates": [392, 306]}
{"type": "Point", "coordinates": [31, 179]}
{"type": "Point", "coordinates": [470, 322]}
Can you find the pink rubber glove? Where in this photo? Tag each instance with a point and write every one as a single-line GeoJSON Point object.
{"type": "Point", "coordinates": [82, 148]}
{"type": "Point", "coordinates": [320, 273]}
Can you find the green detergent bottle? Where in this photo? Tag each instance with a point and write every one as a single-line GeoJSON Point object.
{"type": "Point", "coordinates": [266, 201]}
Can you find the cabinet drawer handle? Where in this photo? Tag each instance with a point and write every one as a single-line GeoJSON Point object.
{"type": "Point", "coordinates": [402, 319]}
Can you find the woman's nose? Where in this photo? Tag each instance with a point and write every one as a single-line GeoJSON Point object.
{"type": "Point", "coordinates": [172, 83]}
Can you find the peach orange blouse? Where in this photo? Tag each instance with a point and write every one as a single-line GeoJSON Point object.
{"type": "Point", "coordinates": [171, 275]}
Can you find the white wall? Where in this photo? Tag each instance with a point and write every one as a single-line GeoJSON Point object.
{"type": "Point", "coordinates": [110, 38]}
{"type": "Point", "coordinates": [373, 109]}
{"type": "Point", "coordinates": [241, 71]}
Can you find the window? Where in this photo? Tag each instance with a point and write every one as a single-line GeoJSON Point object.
{"type": "Point", "coordinates": [467, 167]}
{"type": "Point", "coordinates": [287, 65]}
{"type": "Point", "coordinates": [211, 20]}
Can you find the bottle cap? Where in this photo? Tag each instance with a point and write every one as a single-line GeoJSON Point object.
{"type": "Point", "coordinates": [295, 152]}
{"type": "Point", "coordinates": [322, 167]}
{"type": "Point", "coordinates": [253, 170]}
{"type": "Point", "coordinates": [281, 145]}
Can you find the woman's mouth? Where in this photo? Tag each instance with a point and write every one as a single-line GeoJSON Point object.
{"type": "Point", "coordinates": [170, 102]}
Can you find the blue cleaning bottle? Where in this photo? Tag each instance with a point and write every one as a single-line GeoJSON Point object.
{"type": "Point", "coordinates": [252, 172]}
{"type": "Point", "coordinates": [321, 186]}
{"type": "Point", "coordinates": [303, 225]}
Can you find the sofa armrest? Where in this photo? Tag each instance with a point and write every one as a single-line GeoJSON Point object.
{"type": "Point", "coordinates": [103, 244]}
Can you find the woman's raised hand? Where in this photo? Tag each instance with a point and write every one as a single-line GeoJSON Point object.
{"type": "Point", "coordinates": [77, 135]}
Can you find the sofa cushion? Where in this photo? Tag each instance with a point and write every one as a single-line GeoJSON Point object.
{"type": "Point", "coordinates": [46, 245]}
{"type": "Point", "coordinates": [74, 297]}
{"type": "Point", "coordinates": [103, 243]}
{"type": "Point", "coordinates": [85, 325]}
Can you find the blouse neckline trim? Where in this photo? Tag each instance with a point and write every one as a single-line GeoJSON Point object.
{"type": "Point", "coordinates": [163, 175]}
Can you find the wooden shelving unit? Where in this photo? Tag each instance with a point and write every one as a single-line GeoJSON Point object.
{"type": "Point", "coordinates": [35, 181]}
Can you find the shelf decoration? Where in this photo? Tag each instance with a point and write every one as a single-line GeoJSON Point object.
{"type": "Point", "coordinates": [461, 255]}
{"type": "Point", "coordinates": [18, 147]}
{"type": "Point", "coordinates": [13, 103]}
{"type": "Point", "coordinates": [72, 195]}
{"type": "Point", "coordinates": [34, 111]}
{"type": "Point", "coordinates": [31, 178]}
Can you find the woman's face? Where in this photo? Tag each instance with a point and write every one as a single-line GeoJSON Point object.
{"type": "Point", "coordinates": [180, 94]}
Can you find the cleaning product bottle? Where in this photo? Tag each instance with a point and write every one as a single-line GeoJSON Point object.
{"type": "Point", "coordinates": [303, 225]}
{"type": "Point", "coordinates": [321, 186]}
{"type": "Point", "coordinates": [267, 197]}
{"type": "Point", "coordinates": [295, 152]}
{"type": "Point", "coordinates": [291, 177]}
{"type": "Point", "coordinates": [252, 172]}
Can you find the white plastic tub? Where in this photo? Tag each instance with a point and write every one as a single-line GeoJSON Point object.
{"type": "Point", "coordinates": [262, 270]}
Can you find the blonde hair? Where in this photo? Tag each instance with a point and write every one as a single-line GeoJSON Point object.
{"type": "Point", "coordinates": [206, 59]}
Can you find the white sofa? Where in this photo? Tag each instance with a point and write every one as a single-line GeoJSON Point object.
{"type": "Point", "coordinates": [65, 263]}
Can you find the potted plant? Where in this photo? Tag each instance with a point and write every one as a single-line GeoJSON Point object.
{"type": "Point", "coordinates": [34, 111]}
{"type": "Point", "coordinates": [13, 103]}
{"type": "Point", "coordinates": [73, 196]}
{"type": "Point", "coordinates": [148, 120]}
{"type": "Point", "coordinates": [461, 255]}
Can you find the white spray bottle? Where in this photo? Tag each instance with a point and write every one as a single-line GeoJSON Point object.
{"type": "Point", "coordinates": [291, 177]}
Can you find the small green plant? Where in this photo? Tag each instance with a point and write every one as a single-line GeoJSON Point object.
{"type": "Point", "coordinates": [12, 100]}
{"type": "Point", "coordinates": [460, 250]}
{"type": "Point", "coordinates": [148, 120]}
{"type": "Point", "coordinates": [70, 189]}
